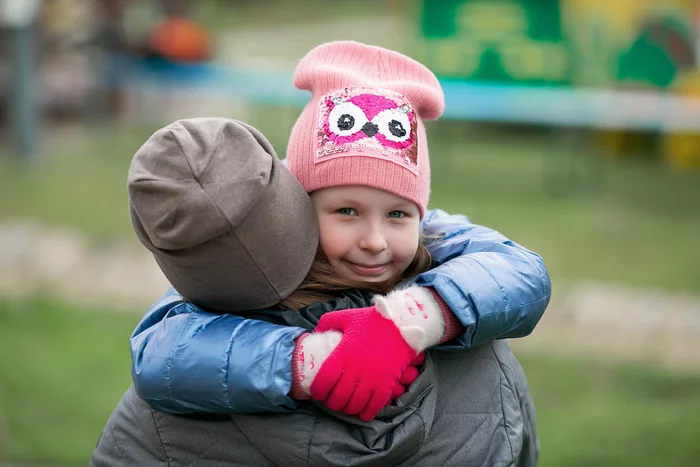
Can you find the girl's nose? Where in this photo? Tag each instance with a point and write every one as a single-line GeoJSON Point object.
{"type": "Point", "coordinates": [374, 241]}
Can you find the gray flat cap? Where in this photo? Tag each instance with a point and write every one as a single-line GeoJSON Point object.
{"type": "Point", "coordinates": [230, 227]}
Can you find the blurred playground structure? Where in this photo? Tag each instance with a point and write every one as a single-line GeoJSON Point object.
{"type": "Point", "coordinates": [622, 68]}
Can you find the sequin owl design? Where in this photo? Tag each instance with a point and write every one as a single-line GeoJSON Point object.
{"type": "Point", "coordinates": [366, 123]}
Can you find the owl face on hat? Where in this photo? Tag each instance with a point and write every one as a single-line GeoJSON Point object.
{"type": "Point", "coordinates": [368, 122]}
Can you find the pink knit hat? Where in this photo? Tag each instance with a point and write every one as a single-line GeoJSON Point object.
{"type": "Point", "coordinates": [364, 123]}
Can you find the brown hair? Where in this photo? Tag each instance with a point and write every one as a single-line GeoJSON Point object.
{"type": "Point", "coordinates": [322, 283]}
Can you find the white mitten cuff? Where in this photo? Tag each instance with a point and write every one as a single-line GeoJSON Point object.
{"type": "Point", "coordinates": [417, 315]}
{"type": "Point", "coordinates": [315, 349]}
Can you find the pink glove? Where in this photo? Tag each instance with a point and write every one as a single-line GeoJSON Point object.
{"type": "Point", "coordinates": [360, 375]}
{"type": "Point", "coordinates": [311, 350]}
{"type": "Point", "coordinates": [408, 377]}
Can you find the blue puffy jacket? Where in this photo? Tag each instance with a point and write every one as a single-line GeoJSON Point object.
{"type": "Point", "coordinates": [186, 360]}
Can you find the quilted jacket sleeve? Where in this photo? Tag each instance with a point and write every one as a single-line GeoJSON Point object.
{"type": "Point", "coordinates": [186, 360]}
{"type": "Point", "coordinates": [497, 288]}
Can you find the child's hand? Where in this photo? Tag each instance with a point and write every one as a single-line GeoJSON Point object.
{"type": "Point", "coordinates": [416, 313]}
{"type": "Point", "coordinates": [360, 375]}
{"type": "Point", "coordinates": [408, 377]}
{"type": "Point", "coordinates": [311, 351]}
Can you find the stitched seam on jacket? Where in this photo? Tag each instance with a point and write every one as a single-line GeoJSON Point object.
{"type": "Point", "coordinates": [116, 444]}
{"type": "Point", "coordinates": [546, 290]}
{"type": "Point", "coordinates": [311, 438]}
{"type": "Point", "coordinates": [169, 364]}
{"type": "Point", "coordinates": [143, 429]}
{"type": "Point", "coordinates": [530, 303]}
{"type": "Point", "coordinates": [203, 454]}
{"type": "Point", "coordinates": [229, 399]}
{"type": "Point", "coordinates": [503, 411]}
{"type": "Point", "coordinates": [283, 364]}
{"type": "Point", "coordinates": [422, 419]}
{"type": "Point", "coordinates": [160, 438]}
{"type": "Point", "coordinates": [526, 304]}
{"type": "Point", "coordinates": [503, 294]}
{"type": "Point", "coordinates": [537, 264]}
{"type": "Point", "coordinates": [250, 442]}
{"type": "Point", "coordinates": [449, 283]}
{"type": "Point", "coordinates": [544, 281]}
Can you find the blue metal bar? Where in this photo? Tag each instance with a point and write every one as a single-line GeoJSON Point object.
{"type": "Point", "coordinates": [560, 106]}
{"type": "Point", "coordinates": [25, 115]}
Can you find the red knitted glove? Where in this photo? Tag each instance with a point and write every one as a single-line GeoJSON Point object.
{"type": "Point", "coordinates": [359, 376]}
{"type": "Point", "coordinates": [311, 350]}
{"type": "Point", "coordinates": [408, 377]}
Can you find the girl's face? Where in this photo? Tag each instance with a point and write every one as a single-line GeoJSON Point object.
{"type": "Point", "coordinates": [367, 234]}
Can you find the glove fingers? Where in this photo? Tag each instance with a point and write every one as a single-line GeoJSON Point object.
{"type": "Point", "coordinates": [398, 391]}
{"type": "Point", "coordinates": [358, 401]}
{"type": "Point", "coordinates": [333, 321]}
{"type": "Point", "coordinates": [342, 392]}
{"type": "Point", "coordinates": [326, 379]}
{"type": "Point", "coordinates": [419, 359]}
{"type": "Point", "coordinates": [409, 375]}
{"type": "Point", "coordinates": [377, 402]}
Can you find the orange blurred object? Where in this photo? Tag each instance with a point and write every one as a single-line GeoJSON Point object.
{"type": "Point", "coordinates": [181, 40]}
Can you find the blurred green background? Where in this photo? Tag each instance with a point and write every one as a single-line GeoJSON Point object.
{"type": "Point", "coordinates": [605, 209]}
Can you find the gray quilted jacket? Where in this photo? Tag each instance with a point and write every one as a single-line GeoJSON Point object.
{"type": "Point", "coordinates": [467, 408]}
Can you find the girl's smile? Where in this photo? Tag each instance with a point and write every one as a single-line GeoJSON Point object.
{"type": "Point", "coordinates": [366, 233]}
{"type": "Point", "coordinates": [367, 270]}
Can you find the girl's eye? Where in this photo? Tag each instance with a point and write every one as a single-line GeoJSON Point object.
{"type": "Point", "coordinates": [346, 211]}
{"type": "Point", "coordinates": [396, 214]}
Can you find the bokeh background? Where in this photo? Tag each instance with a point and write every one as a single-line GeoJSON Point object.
{"type": "Point", "coordinates": [571, 126]}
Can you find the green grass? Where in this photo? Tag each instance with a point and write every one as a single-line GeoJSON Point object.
{"type": "Point", "coordinates": [64, 369]}
{"type": "Point", "coordinates": [594, 414]}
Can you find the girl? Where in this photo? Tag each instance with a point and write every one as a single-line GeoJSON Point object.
{"type": "Point", "coordinates": [360, 149]}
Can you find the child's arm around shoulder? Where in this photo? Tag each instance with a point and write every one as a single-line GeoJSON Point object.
{"type": "Point", "coordinates": [497, 288]}
{"type": "Point", "coordinates": [187, 360]}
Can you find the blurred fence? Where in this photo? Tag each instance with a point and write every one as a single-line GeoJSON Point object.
{"type": "Point", "coordinates": [464, 100]}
